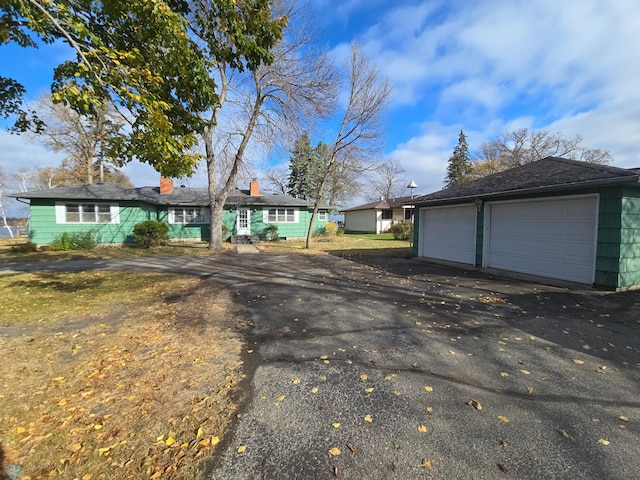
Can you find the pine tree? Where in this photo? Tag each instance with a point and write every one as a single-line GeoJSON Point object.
{"type": "Point", "coordinates": [305, 167]}
{"type": "Point", "coordinates": [459, 168]}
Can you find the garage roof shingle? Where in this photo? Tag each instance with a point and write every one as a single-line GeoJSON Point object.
{"type": "Point", "coordinates": [548, 174]}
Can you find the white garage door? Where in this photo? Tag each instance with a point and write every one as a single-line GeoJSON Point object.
{"type": "Point", "coordinates": [552, 238]}
{"type": "Point", "coordinates": [448, 233]}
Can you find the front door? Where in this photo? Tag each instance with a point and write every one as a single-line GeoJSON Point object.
{"type": "Point", "coordinates": [244, 226]}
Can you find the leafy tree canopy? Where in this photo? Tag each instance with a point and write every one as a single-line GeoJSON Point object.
{"type": "Point", "coordinates": [138, 54]}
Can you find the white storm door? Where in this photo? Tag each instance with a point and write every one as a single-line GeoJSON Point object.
{"type": "Point", "coordinates": [243, 224]}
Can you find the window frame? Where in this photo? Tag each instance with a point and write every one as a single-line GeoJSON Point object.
{"type": "Point", "coordinates": [323, 215]}
{"type": "Point", "coordinates": [281, 215]}
{"type": "Point", "coordinates": [388, 212]}
{"type": "Point", "coordinates": [188, 215]}
{"type": "Point", "coordinates": [87, 213]}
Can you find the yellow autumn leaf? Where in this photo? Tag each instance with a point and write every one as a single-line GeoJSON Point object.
{"type": "Point", "coordinates": [475, 404]}
{"type": "Point", "coordinates": [396, 392]}
{"type": "Point", "coordinates": [205, 442]}
{"type": "Point", "coordinates": [314, 390]}
{"type": "Point", "coordinates": [58, 379]}
{"type": "Point", "coordinates": [428, 388]}
{"type": "Point", "coordinates": [452, 352]}
{"type": "Point", "coordinates": [578, 362]}
{"type": "Point", "coordinates": [422, 429]}
{"type": "Point", "coordinates": [97, 426]}
{"type": "Point", "coordinates": [242, 448]}
{"type": "Point", "coordinates": [388, 377]}
{"type": "Point", "coordinates": [603, 441]}
{"type": "Point", "coordinates": [334, 452]}
{"type": "Point", "coordinates": [21, 429]}
{"type": "Point", "coordinates": [215, 440]}
{"type": "Point", "coordinates": [170, 441]}
{"type": "Point", "coordinates": [368, 418]}
{"type": "Point", "coordinates": [368, 390]}
{"type": "Point", "coordinates": [335, 425]}
{"type": "Point", "coordinates": [504, 419]}
{"type": "Point", "coordinates": [363, 377]}
{"type": "Point", "coordinates": [324, 357]}
{"type": "Point", "coordinates": [525, 372]}
{"type": "Point", "coordinates": [623, 418]}
{"type": "Point", "coordinates": [199, 433]}
{"type": "Point", "coordinates": [427, 463]}
{"type": "Point", "coordinates": [430, 410]}
{"type": "Point", "coordinates": [323, 378]}
{"type": "Point", "coordinates": [504, 374]}
{"type": "Point", "coordinates": [280, 398]}
{"type": "Point", "coordinates": [159, 438]}
{"type": "Point", "coordinates": [296, 381]}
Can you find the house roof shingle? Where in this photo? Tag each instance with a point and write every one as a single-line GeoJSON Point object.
{"type": "Point", "coordinates": [180, 196]}
{"type": "Point", "coordinates": [547, 174]}
{"type": "Point", "coordinates": [383, 204]}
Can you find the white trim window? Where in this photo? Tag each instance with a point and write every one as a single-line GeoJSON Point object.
{"type": "Point", "coordinates": [281, 215]}
{"type": "Point", "coordinates": [87, 213]}
{"type": "Point", "coordinates": [323, 215]}
{"type": "Point", "coordinates": [188, 215]}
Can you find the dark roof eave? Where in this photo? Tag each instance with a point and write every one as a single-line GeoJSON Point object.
{"type": "Point", "coordinates": [548, 188]}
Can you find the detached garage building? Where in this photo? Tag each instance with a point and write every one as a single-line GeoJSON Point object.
{"type": "Point", "coordinates": [555, 218]}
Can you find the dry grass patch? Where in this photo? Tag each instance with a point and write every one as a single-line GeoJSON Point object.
{"type": "Point", "coordinates": [12, 250]}
{"type": "Point", "coordinates": [116, 375]}
{"type": "Point", "coordinates": [345, 246]}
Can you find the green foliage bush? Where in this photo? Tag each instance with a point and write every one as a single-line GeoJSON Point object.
{"type": "Point", "coordinates": [270, 232]}
{"type": "Point", "coordinates": [75, 241]}
{"type": "Point", "coordinates": [331, 229]}
{"type": "Point", "coordinates": [150, 233]}
{"type": "Point", "coordinates": [401, 230]}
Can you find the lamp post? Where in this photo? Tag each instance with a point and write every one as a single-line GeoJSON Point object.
{"type": "Point", "coordinates": [412, 185]}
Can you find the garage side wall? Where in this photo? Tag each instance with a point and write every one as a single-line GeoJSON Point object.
{"type": "Point", "coordinates": [608, 248]}
{"type": "Point", "coordinates": [629, 274]}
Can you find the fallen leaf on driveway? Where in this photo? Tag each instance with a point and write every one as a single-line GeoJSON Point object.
{"type": "Point", "coordinates": [368, 418]}
{"type": "Point", "coordinates": [504, 419]}
{"type": "Point", "coordinates": [368, 390]}
{"type": "Point", "coordinates": [363, 377]}
{"type": "Point", "coordinates": [242, 448]}
{"type": "Point", "coordinates": [504, 374]}
{"type": "Point", "coordinates": [530, 390]}
{"type": "Point", "coordinates": [422, 429]}
{"type": "Point", "coordinates": [427, 463]}
{"type": "Point", "coordinates": [314, 390]}
{"type": "Point", "coordinates": [623, 418]}
{"type": "Point", "coordinates": [350, 447]}
{"type": "Point", "coordinates": [336, 425]}
{"type": "Point", "coordinates": [334, 452]}
{"type": "Point", "coordinates": [428, 388]}
{"type": "Point", "coordinates": [565, 434]}
{"type": "Point", "coordinates": [475, 404]}
{"type": "Point", "coordinates": [503, 468]}
{"type": "Point", "coordinates": [578, 362]}
{"type": "Point", "coordinates": [296, 381]}
{"type": "Point", "coordinates": [430, 410]}
{"type": "Point", "coordinates": [603, 441]}
{"type": "Point", "coordinates": [525, 372]}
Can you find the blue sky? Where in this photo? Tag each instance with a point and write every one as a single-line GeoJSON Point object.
{"type": "Point", "coordinates": [483, 66]}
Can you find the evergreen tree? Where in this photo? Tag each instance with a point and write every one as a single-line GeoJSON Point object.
{"type": "Point", "coordinates": [305, 168]}
{"type": "Point", "coordinates": [460, 168]}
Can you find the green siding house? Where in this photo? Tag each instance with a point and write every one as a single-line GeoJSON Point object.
{"type": "Point", "coordinates": [111, 212]}
{"type": "Point", "coordinates": [555, 218]}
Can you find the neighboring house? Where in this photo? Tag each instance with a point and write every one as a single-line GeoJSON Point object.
{"type": "Point", "coordinates": [112, 212]}
{"type": "Point", "coordinates": [377, 217]}
{"type": "Point", "coordinates": [555, 218]}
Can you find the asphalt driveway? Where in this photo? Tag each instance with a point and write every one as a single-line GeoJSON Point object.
{"type": "Point", "coordinates": [396, 368]}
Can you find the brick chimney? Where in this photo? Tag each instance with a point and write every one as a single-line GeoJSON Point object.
{"type": "Point", "coordinates": [166, 186]}
{"type": "Point", "coordinates": [254, 188]}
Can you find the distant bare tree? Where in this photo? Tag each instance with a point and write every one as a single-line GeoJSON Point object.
{"type": "Point", "coordinates": [360, 136]}
{"type": "Point", "coordinates": [82, 138]}
{"type": "Point", "coordinates": [387, 180]}
{"type": "Point", "coordinates": [278, 178]}
{"type": "Point", "coordinates": [3, 183]}
{"type": "Point", "coordinates": [524, 146]}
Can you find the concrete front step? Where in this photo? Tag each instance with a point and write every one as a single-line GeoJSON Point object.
{"type": "Point", "coordinates": [244, 239]}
